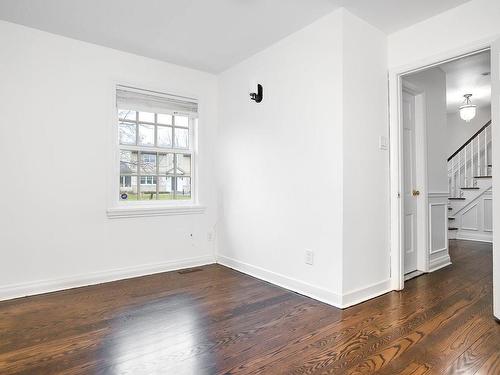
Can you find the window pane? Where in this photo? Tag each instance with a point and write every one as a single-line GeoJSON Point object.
{"type": "Point", "coordinates": [148, 164]}
{"type": "Point", "coordinates": [147, 135]}
{"type": "Point", "coordinates": [146, 116]}
{"type": "Point", "coordinates": [128, 162]}
{"type": "Point", "coordinates": [181, 138]}
{"type": "Point", "coordinates": [127, 133]}
{"type": "Point", "coordinates": [166, 165]}
{"type": "Point", "coordinates": [128, 188]}
{"type": "Point", "coordinates": [126, 114]}
{"type": "Point", "coordinates": [183, 164]}
{"type": "Point", "coordinates": [181, 121]}
{"type": "Point", "coordinates": [164, 119]}
{"type": "Point", "coordinates": [165, 190]}
{"type": "Point", "coordinates": [148, 188]}
{"type": "Point", "coordinates": [164, 136]}
{"type": "Point", "coordinates": [183, 188]}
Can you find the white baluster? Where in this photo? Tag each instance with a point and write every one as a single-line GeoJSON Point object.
{"type": "Point", "coordinates": [466, 183]}
{"type": "Point", "coordinates": [465, 168]}
{"type": "Point", "coordinates": [453, 176]}
{"type": "Point", "coordinates": [480, 155]}
{"type": "Point", "coordinates": [462, 179]}
{"type": "Point", "coordinates": [481, 137]}
{"type": "Point", "coordinates": [456, 177]}
{"type": "Point", "coordinates": [478, 150]}
{"type": "Point", "coordinates": [459, 171]}
{"type": "Point", "coordinates": [486, 151]}
{"type": "Point", "coordinates": [471, 168]}
{"type": "Point", "coordinates": [449, 178]}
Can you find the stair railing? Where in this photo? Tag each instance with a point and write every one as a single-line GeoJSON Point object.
{"type": "Point", "coordinates": [471, 160]}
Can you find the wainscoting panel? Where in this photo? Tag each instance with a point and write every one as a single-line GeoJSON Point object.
{"type": "Point", "coordinates": [488, 214]}
{"type": "Point", "coordinates": [438, 227]}
{"type": "Point", "coordinates": [470, 219]}
{"type": "Point", "coordinates": [437, 253]}
{"type": "Point", "coordinates": [475, 221]}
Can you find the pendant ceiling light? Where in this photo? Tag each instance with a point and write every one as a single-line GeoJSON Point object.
{"type": "Point", "coordinates": [467, 110]}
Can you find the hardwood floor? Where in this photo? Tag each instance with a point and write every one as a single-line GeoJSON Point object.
{"type": "Point", "coordinates": [219, 321]}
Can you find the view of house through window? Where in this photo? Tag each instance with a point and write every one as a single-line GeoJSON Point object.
{"type": "Point", "coordinates": [155, 156]}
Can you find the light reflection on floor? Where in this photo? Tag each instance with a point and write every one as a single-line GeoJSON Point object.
{"type": "Point", "coordinates": [160, 337]}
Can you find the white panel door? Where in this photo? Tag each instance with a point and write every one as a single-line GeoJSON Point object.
{"type": "Point", "coordinates": [495, 141]}
{"type": "Point", "coordinates": [409, 171]}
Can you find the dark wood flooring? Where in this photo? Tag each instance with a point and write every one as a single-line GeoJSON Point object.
{"type": "Point", "coordinates": [219, 321]}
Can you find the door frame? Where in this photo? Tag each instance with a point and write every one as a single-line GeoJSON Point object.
{"type": "Point", "coordinates": [396, 173]}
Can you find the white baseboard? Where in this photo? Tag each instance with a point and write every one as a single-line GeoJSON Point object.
{"type": "Point", "coordinates": [318, 293]}
{"type": "Point", "coordinates": [364, 294]}
{"type": "Point", "coordinates": [438, 263]}
{"type": "Point", "coordinates": [466, 237]}
{"type": "Point", "coordinates": [52, 285]}
{"type": "Point", "coordinates": [413, 274]}
{"type": "Point", "coordinates": [315, 292]}
{"type": "Point", "coordinates": [283, 281]}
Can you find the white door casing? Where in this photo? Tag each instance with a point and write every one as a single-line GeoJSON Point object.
{"type": "Point", "coordinates": [495, 138]}
{"type": "Point", "coordinates": [409, 184]}
{"type": "Point", "coordinates": [396, 152]}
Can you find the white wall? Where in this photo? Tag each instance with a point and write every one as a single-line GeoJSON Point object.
{"type": "Point", "coordinates": [280, 184]}
{"type": "Point", "coordinates": [365, 167]}
{"type": "Point", "coordinates": [57, 107]}
{"type": "Point", "coordinates": [442, 37]}
{"type": "Point", "coordinates": [302, 170]}
{"type": "Point", "coordinates": [445, 32]}
{"type": "Point", "coordinates": [460, 132]}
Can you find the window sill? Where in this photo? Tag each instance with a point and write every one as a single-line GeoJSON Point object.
{"type": "Point", "coordinates": [149, 211]}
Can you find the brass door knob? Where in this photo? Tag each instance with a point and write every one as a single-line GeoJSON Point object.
{"type": "Point", "coordinates": [416, 193]}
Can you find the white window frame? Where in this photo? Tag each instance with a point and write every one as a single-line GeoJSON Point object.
{"type": "Point", "coordinates": [123, 209]}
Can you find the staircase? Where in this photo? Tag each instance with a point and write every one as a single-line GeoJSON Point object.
{"type": "Point", "coordinates": [470, 187]}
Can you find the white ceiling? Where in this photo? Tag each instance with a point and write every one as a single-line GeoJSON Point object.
{"type": "Point", "coordinates": [465, 76]}
{"type": "Point", "coordinates": [210, 35]}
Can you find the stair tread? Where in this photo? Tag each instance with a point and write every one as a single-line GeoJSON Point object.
{"type": "Point", "coordinates": [470, 188]}
{"type": "Point", "coordinates": [450, 208]}
{"type": "Point", "coordinates": [456, 199]}
{"type": "Point", "coordinates": [482, 176]}
{"type": "Point", "coordinates": [452, 228]}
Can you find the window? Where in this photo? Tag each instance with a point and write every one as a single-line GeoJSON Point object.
{"type": "Point", "coordinates": [125, 181]}
{"type": "Point", "coordinates": [148, 180]}
{"type": "Point", "coordinates": [155, 136]}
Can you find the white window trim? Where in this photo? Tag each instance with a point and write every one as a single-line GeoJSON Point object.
{"type": "Point", "coordinates": [144, 211]}
{"type": "Point", "coordinates": [130, 209]}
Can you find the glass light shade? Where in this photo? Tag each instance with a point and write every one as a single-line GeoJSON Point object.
{"type": "Point", "coordinates": [467, 112]}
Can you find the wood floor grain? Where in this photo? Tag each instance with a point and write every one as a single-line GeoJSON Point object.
{"type": "Point", "coordinates": [219, 321]}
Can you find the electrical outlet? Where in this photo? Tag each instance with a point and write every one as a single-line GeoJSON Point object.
{"type": "Point", "coordinates": [309, 257]}
{"type": "Point", "coordinates": [210, 236]}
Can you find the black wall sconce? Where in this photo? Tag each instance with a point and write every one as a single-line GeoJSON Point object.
{"type": "Point", "coordinates": [256, 92]}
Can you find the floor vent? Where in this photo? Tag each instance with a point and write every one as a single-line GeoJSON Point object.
{"type": "Point", "coordinates": [183, 272]}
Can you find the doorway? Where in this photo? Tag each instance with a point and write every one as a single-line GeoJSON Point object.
{"type": "Point", "coordinates": [421, 209]}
